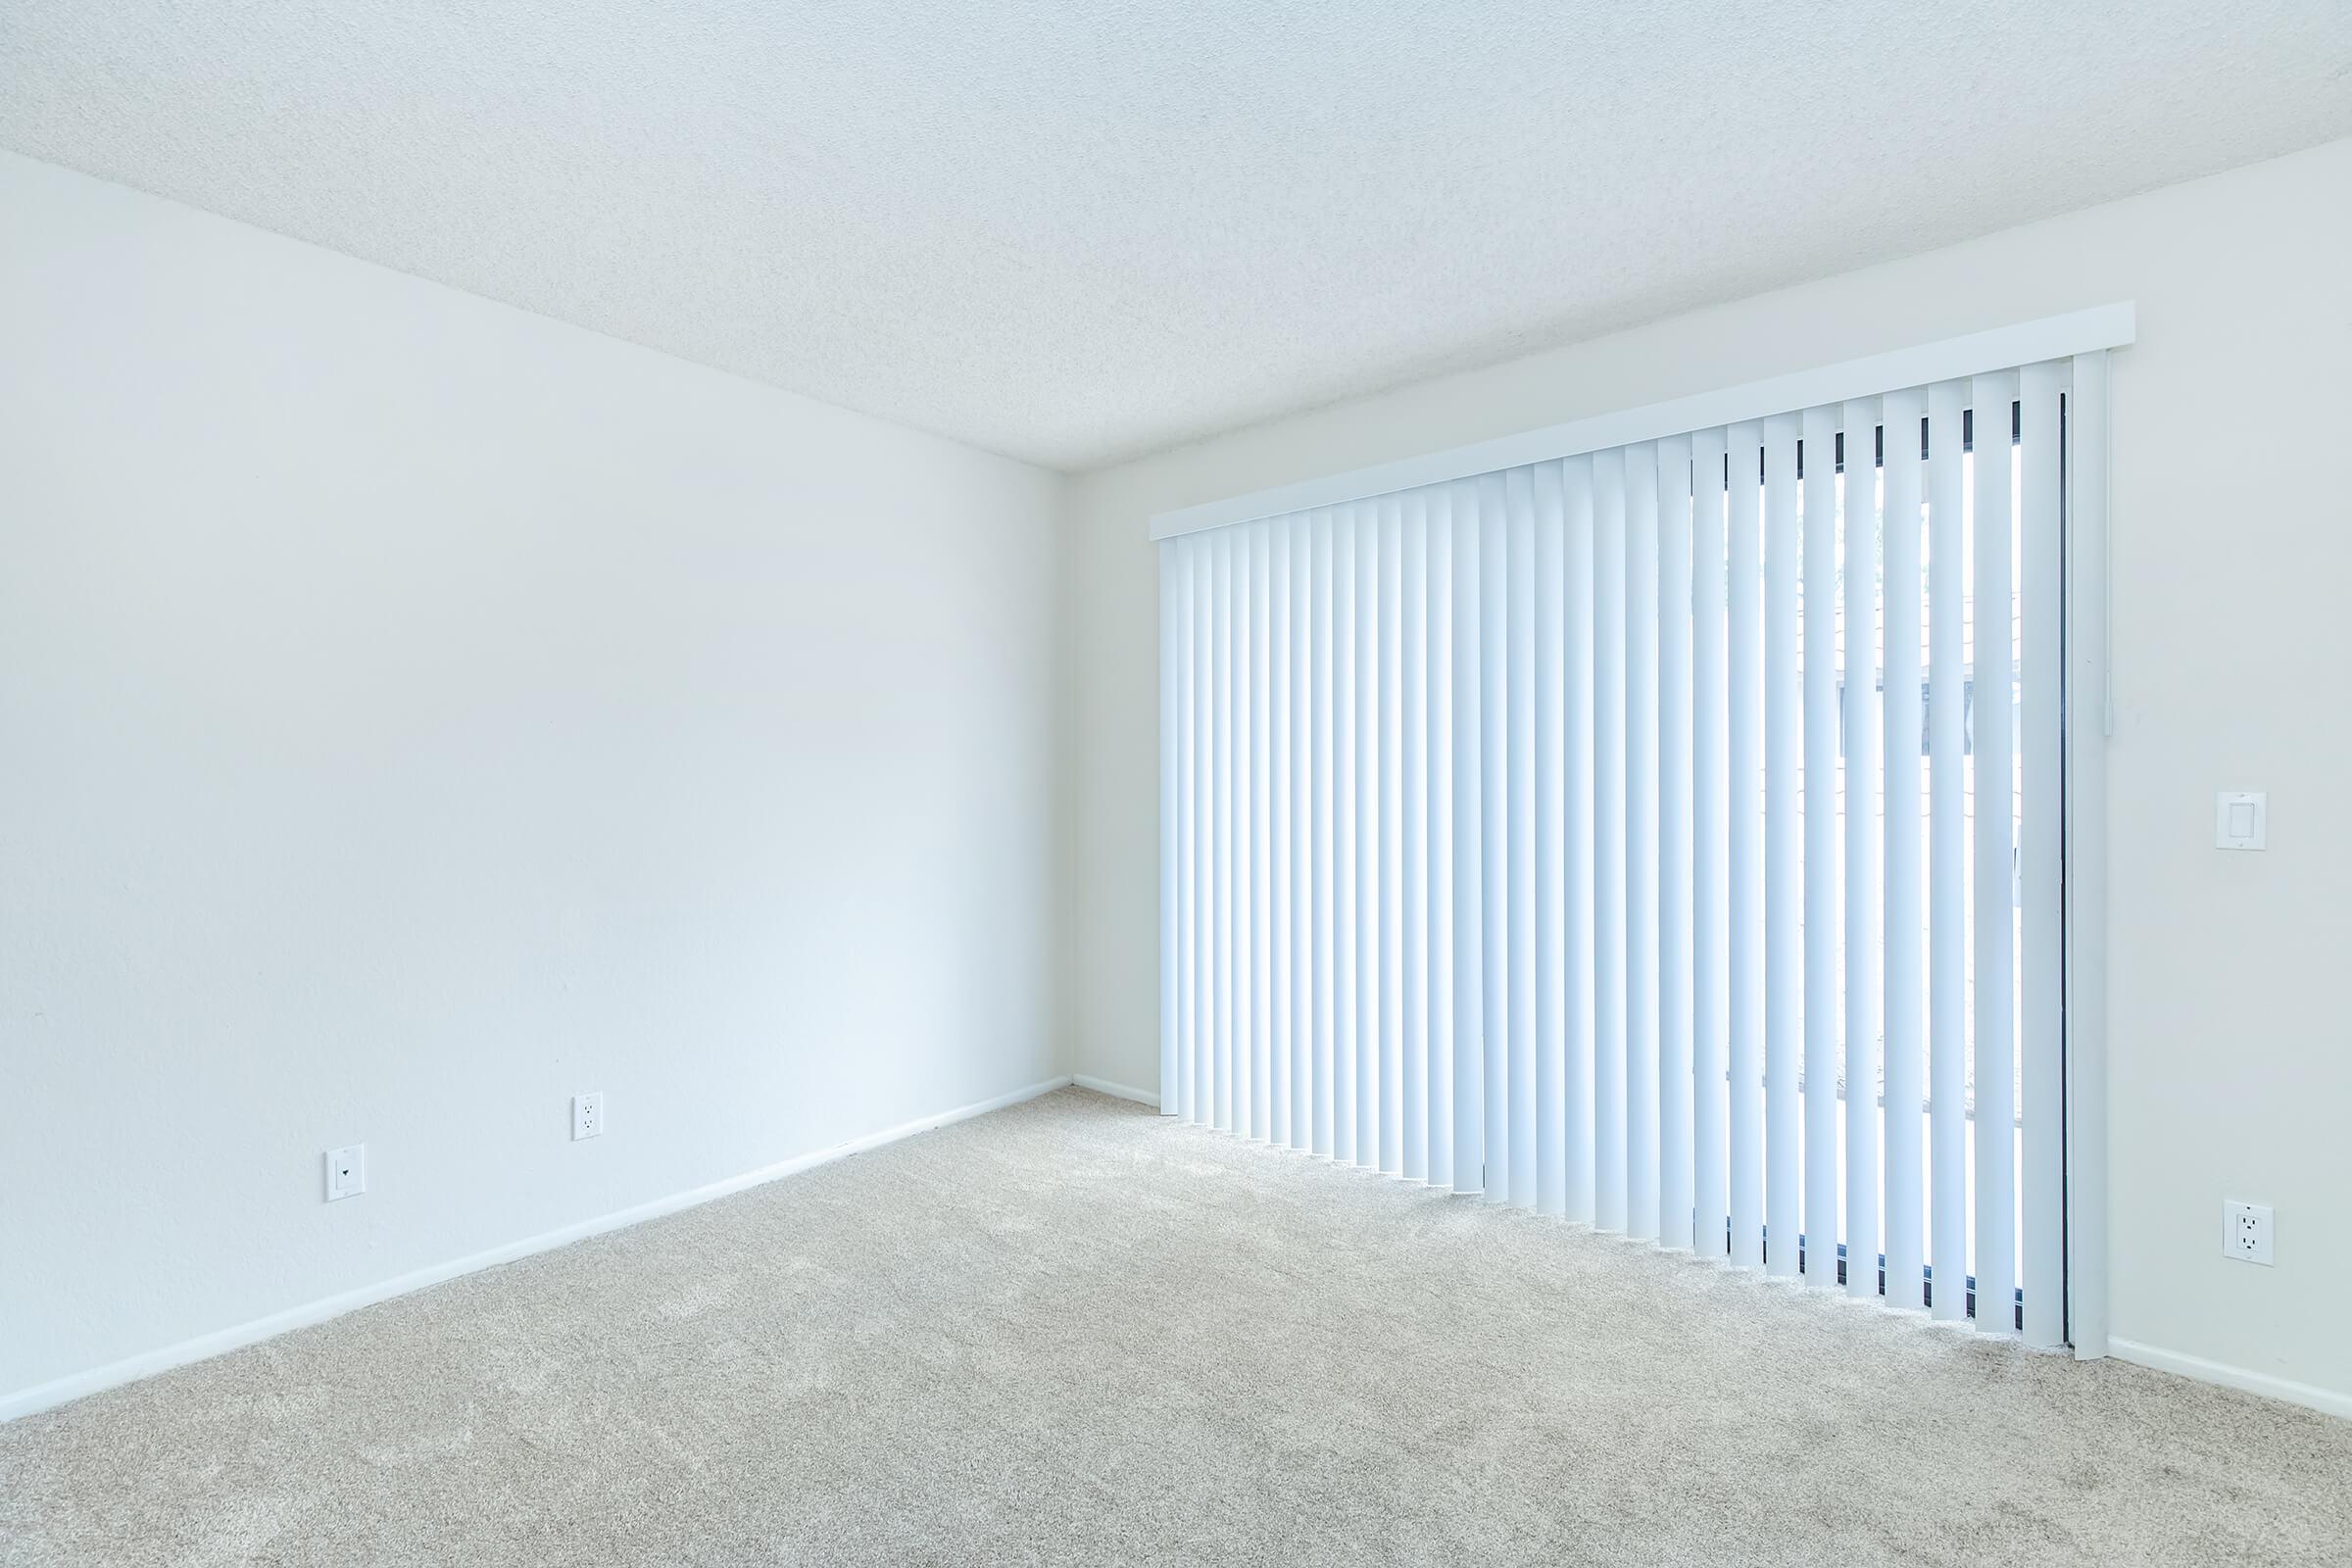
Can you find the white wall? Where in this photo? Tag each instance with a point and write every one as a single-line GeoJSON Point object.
{"type": "Point", "coordinates": [412, 711]}
{"type": "Point", "coordinates": [2230, 1054]}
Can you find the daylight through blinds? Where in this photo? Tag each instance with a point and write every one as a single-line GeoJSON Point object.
{"type": "Point", "coordinates": [1665, 838]}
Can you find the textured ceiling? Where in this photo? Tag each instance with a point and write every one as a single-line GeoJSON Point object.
{"type": "Point", "coordinates": [1074, 230]}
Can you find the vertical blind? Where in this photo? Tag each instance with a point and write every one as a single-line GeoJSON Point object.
{"type": "Point", "coordinates": [1666, 837]}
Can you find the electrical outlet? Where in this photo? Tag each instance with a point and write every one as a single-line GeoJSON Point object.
{"type": "Point", "coordinates": [587, 1115]}
{"type": "Point", "coordinates": [2246, 1232]}
{"type": "Point", "coordinates": [346, 1172]}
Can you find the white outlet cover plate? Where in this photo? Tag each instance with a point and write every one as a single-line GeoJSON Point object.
{"type": "Point", "coordinates": [2246, 1232]}
{"type": "Point", "coordinates": [346, 1172]}
{"type": "Point", "coordinates": [587, 1115]}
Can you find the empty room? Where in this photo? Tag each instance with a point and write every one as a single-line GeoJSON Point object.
{"type": "Point", "coordinates": [1204, 783]}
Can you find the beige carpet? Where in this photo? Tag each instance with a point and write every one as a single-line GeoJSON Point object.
{"type": "Point", "coordinates": [1071, 1332]}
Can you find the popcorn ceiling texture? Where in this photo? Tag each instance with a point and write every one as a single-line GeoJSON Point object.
{"type": "Point", "coordinates": [1074, 233]}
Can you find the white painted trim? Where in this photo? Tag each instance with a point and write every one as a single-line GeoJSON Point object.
{"type": "Point", "coordinates": [76, 1385]}
{"type": "Point", "coordinates": [1104, 1086]}
{"type": "Point", "coordinates": [2089, 720]}
{"type": "Point", "coordinates": [2054, 338]}
{"type": "Point", "coordinates": [2328, 1401]}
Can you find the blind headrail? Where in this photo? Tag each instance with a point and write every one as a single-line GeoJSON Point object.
{"type": "Point", "coordinates": [2084, 331]}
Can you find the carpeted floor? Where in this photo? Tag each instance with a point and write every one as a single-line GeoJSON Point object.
{"type": "Point", "coordinates": [1071, 1332]}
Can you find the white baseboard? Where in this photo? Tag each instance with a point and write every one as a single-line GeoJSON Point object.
{"type": "Point", "coordinates": [2309, 1396]}
{"type": "Point", "coordinates": [74, 1386]}
{"type": "Point", "coordinates": [1104, 1086]}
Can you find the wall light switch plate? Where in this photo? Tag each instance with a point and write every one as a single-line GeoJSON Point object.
{"type": "Point", "coordinates": [2246, 1232]}
{"type": "Point", "coordinates": [587, 1115]}
{"type": "Point", "coordinates": [2241, 819]}
{"type": "Point", "coordinates": [346, 1172]}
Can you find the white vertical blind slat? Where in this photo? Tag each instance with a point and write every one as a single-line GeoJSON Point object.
{"type": "Point", "coordinates": [1858, 576]}
{"type": "Point", "coordinates": [1469, 869]}
{"type": "Point", "coordinates": [1279, 818]}
{"type": "Point", "coordinates": [1783, 852]}
{"type": "Point", "coordinates": [1234, 1091]}
{"type": "Point", "coordinates": [1233, 867]}
{"type": "Point", "coordinates": [1995, 1059]}
{"type": "Point", "coordinates": [1710, 854]}
{"type": "Point", "coordinates": [1170, 942]}
{"type": "Point", "coordinates": [1904, 992]}
{"type": "Point", "coordinates": [1390, 949]}
{"type": "Point", "coordinates": [1224, 702]}
{"type": "Point", "coordinates": [1744, 497]}
{"type": "Point", "coordinates": [1494, 767]}
{"type": "Point", "coordinates": [1250, 1115]}
{"type": "Point", "coordinates": [1347, 828]}
{"type": "Point", "coordinates": [1608, 842]}
{"type": "Point", "coordinates": [2042, 949]}
{"type": "Point", "coordinates": [1324, 840]}
{"type": "Point", "coordinates": [1823, 929]}
{"type": "Point", "coordinates": [1440, 839]}
{"type": "Point", "coordinates": [1244, 1015]}
{"type": "Point", "coordinates": [1301, 541]}
{"type": "Point", "coordinates": [1676, 983]}
{"type": "Point", "coordinates": [1200, 1107]}
{"type": "Point", "coordinates": [1641, 841]}
{"type": "Point", "coordinates": [1948, 870]}
{"type": "Point", "coordinates": [1180, 567]}
{"type": "Point", "coordinates": [1548, 587]}
{"type": "Point", "coordinates": [1369, 869]}
{"type": "Point", "coordinates": [1578, 1048]}
{"type": "Point", "coordinates": [1413, 785]}
{"type": "Point", "coordinates": [1520, 840]}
